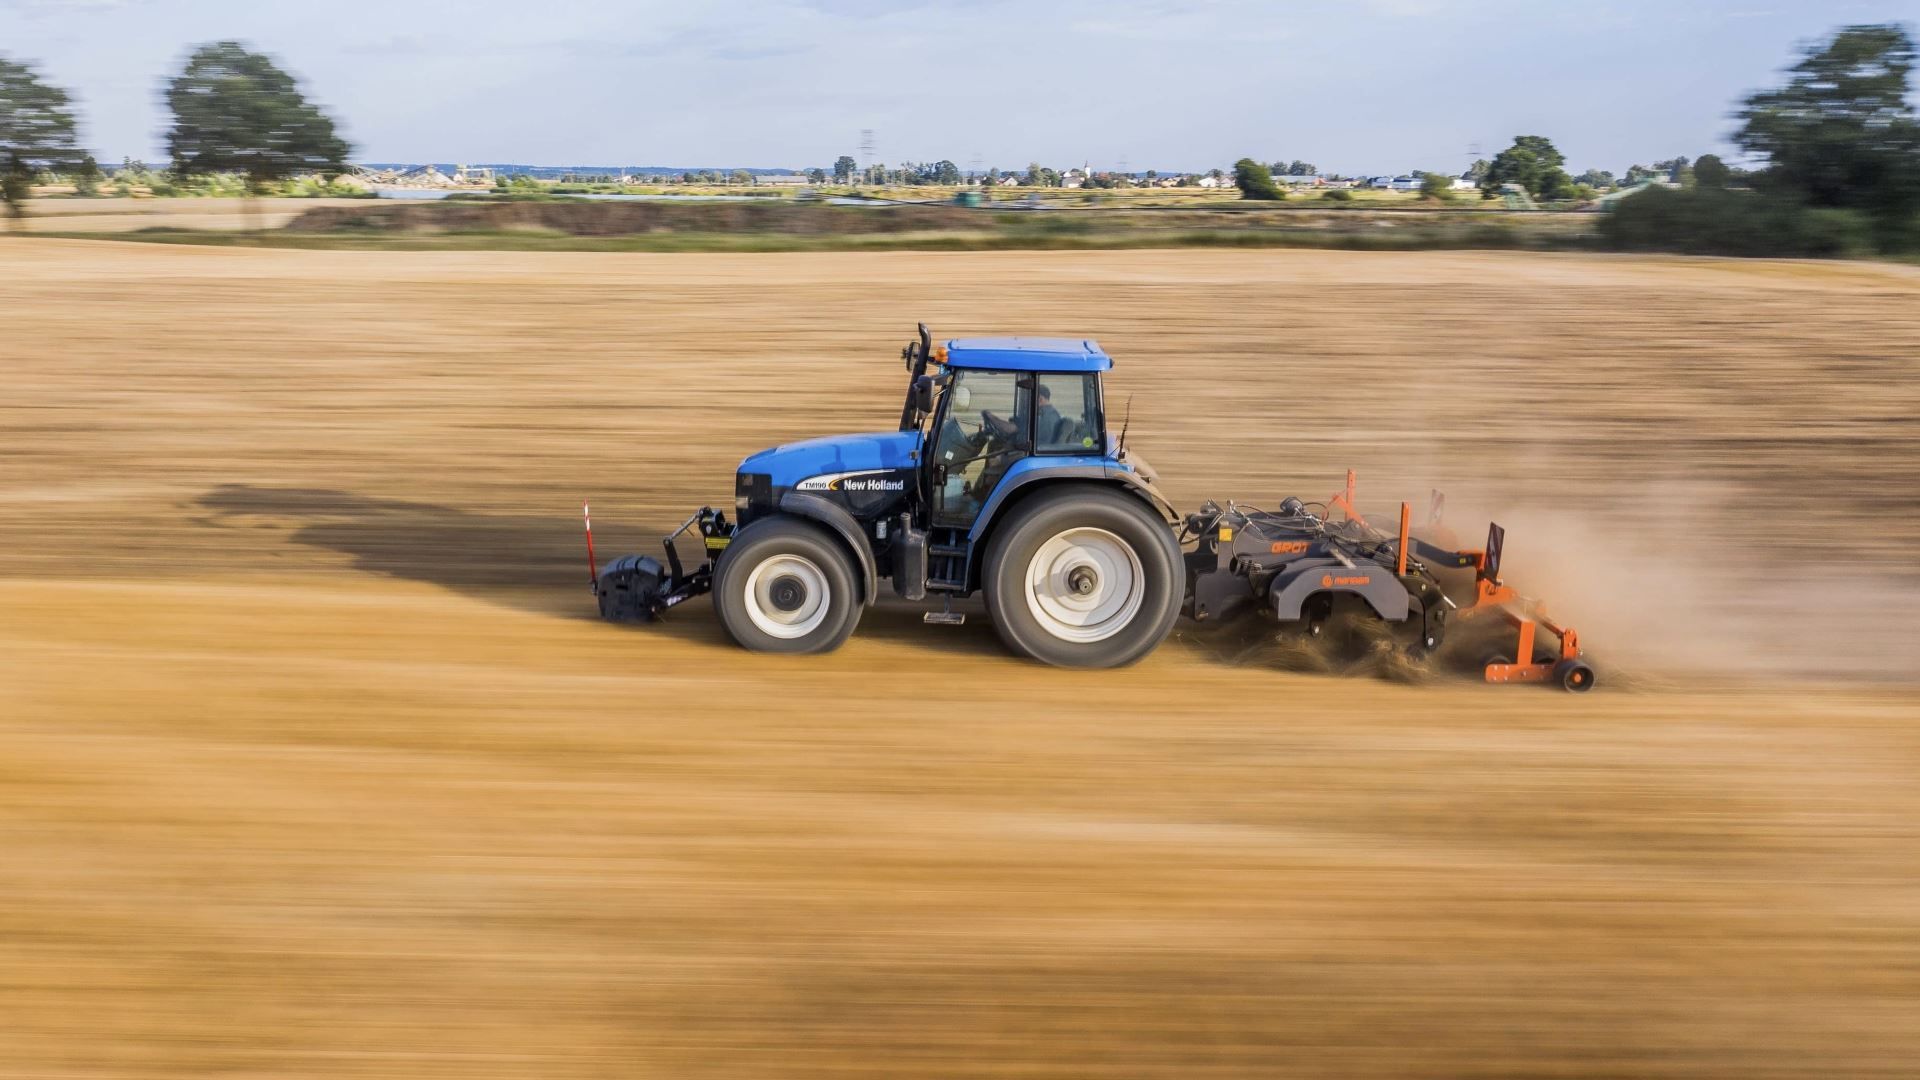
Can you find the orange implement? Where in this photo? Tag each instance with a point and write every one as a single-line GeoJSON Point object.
{"type": "Point", "coordinates": [1566, 667]}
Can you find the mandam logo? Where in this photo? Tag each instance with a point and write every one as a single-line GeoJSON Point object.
{"type": "Point", "coordinates": [1328, 581]}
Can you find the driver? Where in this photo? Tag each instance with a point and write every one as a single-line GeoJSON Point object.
{"type": "Point", "coordinates": [1013, 429]}
{"type": "Point", "coordinates": [1047, 426]}
{"type": "Point", "coordinates": [998, 436]}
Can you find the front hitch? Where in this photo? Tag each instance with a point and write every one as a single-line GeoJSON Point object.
{"type": "Point", "coordinates": [636, 588]}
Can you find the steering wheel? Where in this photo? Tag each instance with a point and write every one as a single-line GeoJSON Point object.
{"type": "Point", "coordinates": [1001, 428]}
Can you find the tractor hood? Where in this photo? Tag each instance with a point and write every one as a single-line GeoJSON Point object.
{"type": "Point", "coordinates": [790, 464]}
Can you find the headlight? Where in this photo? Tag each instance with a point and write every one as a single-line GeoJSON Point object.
{"type": "Point", "coordinates": [752, 496]}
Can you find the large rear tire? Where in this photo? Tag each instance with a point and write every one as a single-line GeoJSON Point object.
{"type": "Point", "coordinates": [1083, 577]}
{"type": "Point", "coordinates": [786, 586]}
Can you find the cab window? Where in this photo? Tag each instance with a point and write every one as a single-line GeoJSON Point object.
{"type": "Point", "coordinates": [983, 431]}
{"type": "Point", "coordinates": [1067, 414]}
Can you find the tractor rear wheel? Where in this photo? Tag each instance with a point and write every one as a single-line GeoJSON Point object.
{"type": "Point", "coordinates": [1083, 577]}
{"type": "Point", "coordinates": [785, 585]}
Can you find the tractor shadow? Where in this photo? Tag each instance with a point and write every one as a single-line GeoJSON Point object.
{"type": "Point", "coordinates": [528, 563]}
{"type": "Point", "coordinates": [524, 562]}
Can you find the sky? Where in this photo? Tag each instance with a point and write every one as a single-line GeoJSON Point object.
{"type": "Point", "coordinates": [1353, 86]}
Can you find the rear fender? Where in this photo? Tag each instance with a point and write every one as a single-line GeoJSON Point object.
{"type": "Point", "coordinates": [836, 518]}
{"type": "Point", "coordinates": [1374, 584]}
{"type": "Point", "coordinates": [1038, 470]}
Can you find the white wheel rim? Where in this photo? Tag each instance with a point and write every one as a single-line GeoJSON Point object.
{"type": "Point", "coordinates": [780, 574]}
{"type": "Point", "coordinates": [1085, 585]}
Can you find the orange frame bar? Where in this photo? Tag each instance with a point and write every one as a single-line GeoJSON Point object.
{"type": "Point", "coordinates": [1345, 501]}
{"type": "Point", "coordinates": [1406, 512]}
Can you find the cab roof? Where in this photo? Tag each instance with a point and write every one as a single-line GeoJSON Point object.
{"type": "Point", "coordinates": [1027, 354]}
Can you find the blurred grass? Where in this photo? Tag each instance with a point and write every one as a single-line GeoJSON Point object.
{"type": "Point", "coordinates": [1038, 236]}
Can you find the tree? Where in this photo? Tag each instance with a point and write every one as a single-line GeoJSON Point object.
{"type": "Point", "coordinates": [1542, 148]}
{"type": "Point", "coordinates": [1477, 171]}
{"type": "Point", "coordinates": [1435, 185]}
{"type": "Point", "coordinates": [740, 176]}
{"type": "Point", "coordinates": [1255, 181]}
{"type": "Point", "coordinates": [1599, 179]}
{"type": "Point", "coordinates": [1034, 174]}
{"type": "Point", "coordinates": [36, 133]}
{"type": "Point", "coordinates": [1843, 131]}
{"type": "Point", "coordinates": [86, 178]}
{"type": "Point", "coordinates": [844, 168]}
{"type": "Point", "coordinates": [1679, 170]}
{"type": "Point", "coordinates": [1301, 168]}
{"type": "Point", "coordinates": [1636, 173]}
{"type": "Point", "coordinates": [1711, 172]}
{"type": "Point", "coordinates": [1515, 165]}
{"type": "Point", "coordinates": [816, 176]}
{"type": "Point", "coordinates": [1531, 162]}
{"type": "Point", "coordinates": [236, 111]}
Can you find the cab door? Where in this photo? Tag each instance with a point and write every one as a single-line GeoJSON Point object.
{"type": "Point", "coordinates": [985, 424]}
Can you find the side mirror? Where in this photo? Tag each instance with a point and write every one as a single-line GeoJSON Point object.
{"type": "Point", "coordinates": [923, 393]}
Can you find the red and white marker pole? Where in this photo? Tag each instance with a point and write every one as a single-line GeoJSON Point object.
{"type": "Point", "coordinates": [593, 567]}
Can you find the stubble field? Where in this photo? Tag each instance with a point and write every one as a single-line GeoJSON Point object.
{"type": "Point", "coordinates": [314, 763]}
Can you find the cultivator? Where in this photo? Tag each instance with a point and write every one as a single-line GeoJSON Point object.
{"type": "Point", "coordinates": [1308, 563]}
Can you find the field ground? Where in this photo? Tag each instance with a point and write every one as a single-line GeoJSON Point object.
{"type": "Point", "coordinates": [316, 765]}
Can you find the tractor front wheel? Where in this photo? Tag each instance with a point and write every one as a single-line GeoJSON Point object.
{"type": "Point", "coordinates": [1083, 577]}
{"type": "Point", "coordinates": [785, 585]}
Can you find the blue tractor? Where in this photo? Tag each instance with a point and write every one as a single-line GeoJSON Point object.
{"type": "Point", "coordinates": [1004, 478]}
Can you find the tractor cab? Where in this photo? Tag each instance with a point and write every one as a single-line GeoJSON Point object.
{"type": "Point", "coordinates": [995, 416]}
{"type": "Point", "coordinates": [1001, 403]}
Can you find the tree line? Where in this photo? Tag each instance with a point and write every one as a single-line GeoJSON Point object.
{"type": "Point", "coordinates": [1841, 146]}
{"type": "Point", "coordinates": [234, 112]}
{"type": "Point", "coordinates": [1838, 148]}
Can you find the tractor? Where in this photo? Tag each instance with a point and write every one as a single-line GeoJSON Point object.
{"type": "Point", "coordinates": [1004, 478]}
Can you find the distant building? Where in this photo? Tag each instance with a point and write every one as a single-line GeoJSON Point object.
{"type": "Point", "coordinates": [782, 180]}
